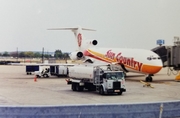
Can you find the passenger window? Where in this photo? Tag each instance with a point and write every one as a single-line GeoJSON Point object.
{"type": "Point", "coordinates": [149, 58]}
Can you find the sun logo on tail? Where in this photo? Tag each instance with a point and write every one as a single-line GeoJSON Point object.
{"type": "Point", "coordinates": [79, 37]}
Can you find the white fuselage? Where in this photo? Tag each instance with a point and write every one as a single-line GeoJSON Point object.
{"type": "Point", "coordinates": [133, 60]}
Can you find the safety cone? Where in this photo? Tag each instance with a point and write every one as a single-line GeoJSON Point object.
{"type": "Point", "coordinates": [177, 78]}
{"type": "Point", "coordinates": [35, 78]}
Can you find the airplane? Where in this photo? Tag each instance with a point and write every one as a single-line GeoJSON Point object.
{"type": "Point", "coordinates": [126, 59]}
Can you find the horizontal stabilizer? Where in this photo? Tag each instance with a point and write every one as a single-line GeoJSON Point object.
{"type": "Point", "coordinates": [88, 29]}
{"type": "Point", "coordinates": [71, 29]}
{"type": "Point", "coordinates": [63, 29]}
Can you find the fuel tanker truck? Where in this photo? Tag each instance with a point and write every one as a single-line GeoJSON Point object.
{"type": "Point", "coordinates": [96, 78]}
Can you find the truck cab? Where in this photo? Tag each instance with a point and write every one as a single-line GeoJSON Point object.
{"type": "Point", "coordinates": [112, 82]}
{"type": "Point", "coordinates": [44, 71]}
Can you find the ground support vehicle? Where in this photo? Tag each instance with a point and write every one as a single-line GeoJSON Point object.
{"type": "Point", "coordinates": [31, 68]}
{"type": "Point", "coordinates": [96, 78]}
{"type": "Point", "coordinates": [44, 71]}
{"type": "Point", "coordinates": [59, 70]}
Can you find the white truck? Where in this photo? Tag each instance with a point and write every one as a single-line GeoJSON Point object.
{"type": "Point", "coordinates": [96, 78]}
{"type": "Point", "coordinates": [44, 71]}
{"type": "Point", "coordinates": [48, 70]}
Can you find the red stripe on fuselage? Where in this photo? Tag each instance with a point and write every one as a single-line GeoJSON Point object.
{"type": "Point", "coordinates": [87, 53]}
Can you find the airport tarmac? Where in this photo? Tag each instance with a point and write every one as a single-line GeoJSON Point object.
{"type": "Point", "coordinates": [17, 88]}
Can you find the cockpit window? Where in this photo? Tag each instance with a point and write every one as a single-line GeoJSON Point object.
{"type": "Point", "coordinates": [149, 58]}
{"type": "Point", "coordinates": [153, 58]}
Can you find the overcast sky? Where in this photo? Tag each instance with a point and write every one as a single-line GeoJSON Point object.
{"type": "Point", "coordinates": [119, 23]}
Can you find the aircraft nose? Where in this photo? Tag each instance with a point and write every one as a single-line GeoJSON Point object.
{"type": "Point", "coordinates": [158, 63]}
{"type": "Point", "coordinates": [151, 69]}
{"type": "Point", "coordinates": [154, 67]}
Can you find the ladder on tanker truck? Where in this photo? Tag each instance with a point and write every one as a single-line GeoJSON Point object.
{"type": "Point", "coordinates": [97, 76]}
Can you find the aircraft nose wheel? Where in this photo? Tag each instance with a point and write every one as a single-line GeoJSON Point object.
{"type": "Point", "coordinates": [148, 79]}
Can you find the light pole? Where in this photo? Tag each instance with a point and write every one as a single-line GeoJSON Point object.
{"type": "Point", "coordinates": [17, 54]}
{"type": "Point", "coordinates": [43, 55]}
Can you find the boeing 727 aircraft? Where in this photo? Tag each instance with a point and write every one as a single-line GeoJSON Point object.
{"type": "Point", "coordinates": [128, 60]}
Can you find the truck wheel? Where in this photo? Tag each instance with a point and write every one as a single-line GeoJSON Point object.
{"type": "Point", "coordinates": [101, 91]}
{"type": "Point", "coordinates": [38, 76]}
{"type": "Point", "coordinates": [45, 76]}
{"type": "Point", "coordinates": [81, 88]}
{"type": "Point", "coordinates": [77, 87]}
{"type": "Point", "coordinates": [120, 93]}
{"type": "Point", "coordinates": [73, 86]}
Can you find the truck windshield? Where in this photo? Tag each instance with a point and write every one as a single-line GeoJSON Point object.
{"type": "Point", "coordinates": [114, 75]}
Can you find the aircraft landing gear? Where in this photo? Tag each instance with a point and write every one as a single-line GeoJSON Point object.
{"type": "Point", "coordinates": [149, 78]}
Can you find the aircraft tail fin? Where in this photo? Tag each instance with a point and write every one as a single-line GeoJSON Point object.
{"type": "Point", "coordinates": [78, 34]}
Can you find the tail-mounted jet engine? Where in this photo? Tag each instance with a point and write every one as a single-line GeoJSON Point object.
{"type": "Point", "coordinates": [89, 43]}
{"type": "Point", "coordinates": [94, 42]}
{"type": "Point", "coordinates": [76, 55]}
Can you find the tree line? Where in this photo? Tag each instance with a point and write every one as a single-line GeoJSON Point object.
{"type": "Point", "coordinates": [58, 54]}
